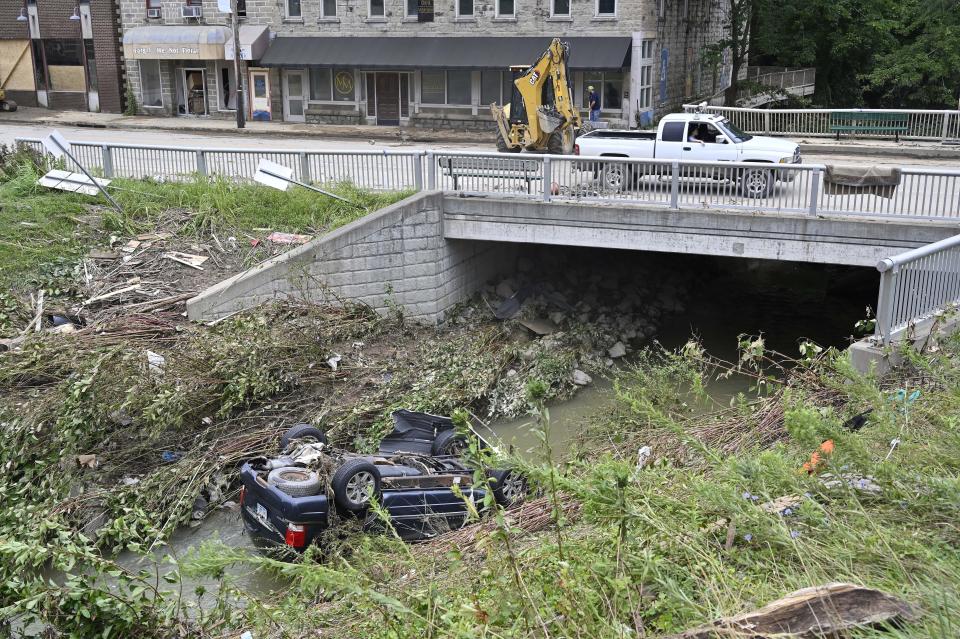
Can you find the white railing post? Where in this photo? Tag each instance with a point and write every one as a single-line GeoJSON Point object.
{"type": "Point", "coordinates": [885, 306]}
{"type": "Point", "coordinates": [547, 179]}
{"type": "Point", "coordinates": [304, 167]}
{"type": "Point", "coordinates": [675, 185]}
{"type": "Point", "coordinates": [417, 160]}
{"type": "Point", "coordinates": [431, 171]}
{"type": "Point", "coordinates": [766, 122]}
{"type": "Point", "coordinates": [201, 162]}
{"type": "Point", "coordinates": [814, 190]}
{"type": "Point", "coordinates": [945, 131]}
{"type": "Point", "coordinates": [107, 160]}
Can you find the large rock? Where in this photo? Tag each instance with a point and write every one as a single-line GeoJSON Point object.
{"type": "Point", "coordinates": [580, 378]}
{"type": "Point", "coordinates": [617, 350]}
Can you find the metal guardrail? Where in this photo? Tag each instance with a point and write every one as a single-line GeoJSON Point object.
{"type": "Point", "coordinates": [917, 286]}
{"type": "Point", "coordinates": [921, 125]}
{"type": "Point", "coordinates": [923, 194]}
{"type": "Point", "coordinates": [374, 170]}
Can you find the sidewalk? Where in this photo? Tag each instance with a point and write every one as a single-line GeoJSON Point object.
{"type": "Point", "coordinates": [808, 145]}
{"type": "Point", "coordinates": [46, 117]}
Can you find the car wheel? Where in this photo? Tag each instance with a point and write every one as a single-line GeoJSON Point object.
{"type": "Point", "coordinates": [449, 442]}
{"type": "Point", "coordinates": [295, 481]}
{"type": "Point", "coordinates": [616, 177]}
{"type": "Point", "coordinates": [355, 484]}
{"type": "Point", "coordinates": [509, 487]}
{"type": "Point", "coordinates": [756, 183]}
{"type": "Point", "coordinates": [302, 431]}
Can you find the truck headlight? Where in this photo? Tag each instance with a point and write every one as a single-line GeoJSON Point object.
{"type": "Point", "coordinates": [787, 160]}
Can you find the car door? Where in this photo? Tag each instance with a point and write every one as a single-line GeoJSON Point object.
{"type": "Point", "coordinates": [713, 146]}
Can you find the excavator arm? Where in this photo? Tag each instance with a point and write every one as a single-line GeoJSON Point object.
{"type": "Point", "coordinates": [545, 104]}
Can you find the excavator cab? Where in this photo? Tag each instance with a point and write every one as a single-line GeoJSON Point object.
{"type": "Point", "coordinates": [541, 116]}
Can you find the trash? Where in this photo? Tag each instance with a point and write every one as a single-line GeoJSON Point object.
{"type": "Point", "coordinates": [580, 378]}
{"type": "Point", "coordinates": [334, 360]}
{"type": "Point", "coordinates": [130, 246]}
{"type": "Point", "coordinates": [62, 329]}
{"type": "Point", "coordinates": [193, 261]}
{"type": "Point", "coordinates": [106, 296]}
{"type": "Point", "coordinates": [511, 306]}
{"type": "Point", "coordinates": [71, 182]}
{"type": "Point", "coordinates": [539, 326]}
{"type": "Point", "coordinates": [857, 422]}
{"type": "Point", "coordinates": [288, 238]}
{"type": "Point", "coordinates": [863, 483]}
{"type": "Point", "coordinates": [169, 456]}
{"type": "Point", "coordinates": [820, 611]}
{"type": "Point", "coordinates": [156, 362]}
{"type": "Point", "coordinates": [90, 461]}
{"type": "Point", "coordinates": [643, 456]}
{"type": "Point", "coordinates": [247, 635]}
{"type": "Point", "coordinates": [130, 481]}
{"type": "Point", "coordinates": [816, 459]}
{"type": "Point", "coordinates": [781, 505]}
{"type": "Point", "coordinates": [97, 254]}
{"type": "Point", "coordinates": [617, 350]}
{"type": "Point", "coordinates": [200, 506]}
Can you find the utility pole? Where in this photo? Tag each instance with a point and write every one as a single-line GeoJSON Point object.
{"type": "Point", "coordinates": [241, 123]}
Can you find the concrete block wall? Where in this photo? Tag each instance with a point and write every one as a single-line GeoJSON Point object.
{"type": "Point", "coordinates": [685, 29]}
{"type": "Point", "coordinates": [394, 256]}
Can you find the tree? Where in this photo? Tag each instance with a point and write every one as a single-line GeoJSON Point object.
{"type": "Point", "coordinates": [736, 26]}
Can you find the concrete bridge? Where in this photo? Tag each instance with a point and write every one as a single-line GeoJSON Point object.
{"type": "Point", "coordinates": [433, 250]}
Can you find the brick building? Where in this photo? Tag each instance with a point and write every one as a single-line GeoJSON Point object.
{"type": "Point", "coordinates": [429, 63]}
{"type": "Point", "coordinates": [61, 54]}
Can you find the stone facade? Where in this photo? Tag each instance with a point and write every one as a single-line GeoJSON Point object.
{"type": "Point", "coordinates": [668, 38]}
{"type": "Point", "coordinates": [394, 257]}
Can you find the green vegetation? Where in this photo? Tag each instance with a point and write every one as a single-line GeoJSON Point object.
{"type": "Point", "coordinates": [874, 53]}
{"type": "Point", "coordinates": [46, 232]}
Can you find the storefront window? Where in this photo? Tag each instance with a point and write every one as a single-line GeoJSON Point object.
{"type": "Point", "coordinates": [432, 90]}
{"type": "Point", "coordinates": [458, 87]}
{"type": "Point", "coordinates": [609, 87]}
{"type": "Point", "coordinates": [320, 84]}
{"type": "Point", "coordinates": [65, 65]}
{"type": "Point", "coordinates": [343, 89]}
{"type": "Point", "coordinates": [228, 88]}
{"type": "Point", "coordinates": [150, 87]}
{"type": "Point", "coordinates": [490, 85]}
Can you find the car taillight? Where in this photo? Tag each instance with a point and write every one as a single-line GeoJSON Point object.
{"type": "Point", "coordinates": [243, 494]}
{"type": "Point", "coordinates": [296, 535]}
{"type": "Point", "coordinates": [576, 149]}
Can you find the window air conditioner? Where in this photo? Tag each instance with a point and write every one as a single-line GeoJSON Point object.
{"type": "Point", "coordinates": [153, 13]}
{"type": "Point", "coordinates": [191, 11]}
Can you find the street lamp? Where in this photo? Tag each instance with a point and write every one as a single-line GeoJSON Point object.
{"type": "Point", "coordinates": [23, 15]}
{"type": "Point", "coordinates": [76, 13]}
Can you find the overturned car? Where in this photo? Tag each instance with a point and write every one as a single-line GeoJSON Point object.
{"type": "Point", "coordinates": [415, 477]}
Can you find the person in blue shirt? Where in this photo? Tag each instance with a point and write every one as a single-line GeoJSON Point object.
{"type": "Point", "coordinates": [594, 101]}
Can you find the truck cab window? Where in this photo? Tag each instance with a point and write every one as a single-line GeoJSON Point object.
{"type": "Point", "coordinates": [673, 131]}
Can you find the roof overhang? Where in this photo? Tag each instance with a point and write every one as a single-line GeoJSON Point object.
{"type": "Point", "coordinates": [254, 40]}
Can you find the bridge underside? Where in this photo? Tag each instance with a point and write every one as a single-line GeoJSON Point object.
{"type": "Point", "coordinates": [854, 241]}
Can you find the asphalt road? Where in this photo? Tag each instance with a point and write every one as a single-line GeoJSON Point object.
{"type": "Point", "coordinates": [8, 132]}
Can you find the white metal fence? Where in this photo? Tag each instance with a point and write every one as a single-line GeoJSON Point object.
{"type": "Point", "coordinates": [931, 194]}
{"type": "Point", "coordinates": [374, 170]}
{"type": "Point", "coordinates": [917, 286]}
{"type": "Point", "coordinates": [921, 125]}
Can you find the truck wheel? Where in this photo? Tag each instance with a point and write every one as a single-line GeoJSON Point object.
{"type": "Point", "coordinates": [509, 487]}
{"type": "Point", "coordinates": [294, 481]}
{"type": "Point", "coordinates": [355, 484]}
{"type": "Point", "coordinates": [302, 431]}
{"type": "Point", "coordinates": [502, 146]}
{"type": "Point", "coordinates": [614, 177]}
{"type": "Point", "coordinates": [756, 183]}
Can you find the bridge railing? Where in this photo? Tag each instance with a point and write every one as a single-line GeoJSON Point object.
{"type": "Point", "coordinates": [795, 188]}
{"type": "Point", "coordinates": [374, 170]}
{"type": "Point", "coordinates": [921, 125]}
{"type": "Point", "coordinates": [916, 287]}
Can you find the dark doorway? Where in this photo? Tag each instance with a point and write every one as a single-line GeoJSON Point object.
{"type": "Point", "coordinates": [388, 99]}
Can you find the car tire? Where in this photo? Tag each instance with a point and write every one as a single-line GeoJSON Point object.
{"type": "Point", "coordinates": [355, 484]}
{"type": "Point", "coordinates": [449, 442]}
{"type": "Point", "coordinates": [295, 481]}
{"type": "Point", "coordinates": [509, 487]}
{"type": "Point", "coordinates": [302, 431]}
{"type": "Point", "coordinates": [756, 183]}
{"type": "Point", "coordinates": [615, 177]}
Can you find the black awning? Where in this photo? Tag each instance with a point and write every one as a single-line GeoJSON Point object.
{"type": "Point", "coordinates": [440, 52]}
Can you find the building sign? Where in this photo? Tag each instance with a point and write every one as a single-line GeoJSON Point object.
{"type": "Point", "coordinates": [424, 10]}
{"type": "Point", "coordinates": [343, 83]}
{"type": "Point", "coordinates": [173, 52]}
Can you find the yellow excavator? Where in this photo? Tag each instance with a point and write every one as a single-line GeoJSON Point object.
{"type": "Point", "coordinates": [541, 115]}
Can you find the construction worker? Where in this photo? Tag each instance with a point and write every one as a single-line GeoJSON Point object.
{"type": "Point", "coordinates": [594, 102]}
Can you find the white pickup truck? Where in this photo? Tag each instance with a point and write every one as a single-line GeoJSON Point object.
{"type": "Point", "coordinates": [691, 137]}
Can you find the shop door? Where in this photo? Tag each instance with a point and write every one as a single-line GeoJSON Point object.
{"type": "Point", "coordinates": [388, 99]}
{"type": "Point", "coordinates": [294, 96]}
{"type": "Point", "coordinates": [259, 95]}
{"type": "Point", "coordinates": [194, 92]}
